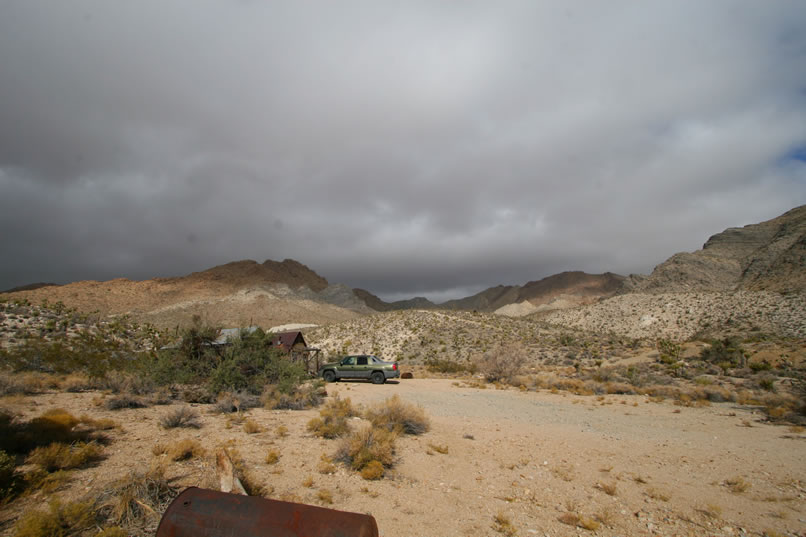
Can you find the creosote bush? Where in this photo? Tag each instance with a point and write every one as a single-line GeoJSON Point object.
{"type": "Point", "coordinates": [332, 420]}
{"type": "Point", "coordinates": [395, 415]}
{"type": "Point", "coordinates": [367, 445]}
{"type": "Point", "coordinates": [180, 417]}
{"type": "Point", "coordinates": [502, 363]}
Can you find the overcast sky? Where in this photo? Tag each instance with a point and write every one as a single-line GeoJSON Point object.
{"type": "Point", "coordinates": [409, 148]}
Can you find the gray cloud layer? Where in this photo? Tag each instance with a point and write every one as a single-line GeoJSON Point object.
{"type": "Point", "coordinates": [409, 148]}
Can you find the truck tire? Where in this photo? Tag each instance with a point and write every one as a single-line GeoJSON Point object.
{"type": "Point", "coordinates": [329, 376]}
{"type": "Point", "coordinates": [378, 377]}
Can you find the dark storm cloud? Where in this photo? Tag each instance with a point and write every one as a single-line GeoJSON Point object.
{"type": "Point", "coordinates": [431, 148]}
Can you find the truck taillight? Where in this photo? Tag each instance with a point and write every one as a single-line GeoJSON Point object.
{"type": "Point", "coordinates": [394, 366]}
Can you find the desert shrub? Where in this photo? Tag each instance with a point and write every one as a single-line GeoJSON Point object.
{"type": "Point", "coordinates": [272, 456]}
{"type": "Point", "coordinates": [57, 456]}
{"type": "Point", "coordinates": [373, 470]}
{"type": "Point", "coordinates": [124, 401]}
{"type": "Point", "coordinates": [308, 395]}
{"type": "Point", "coordinates": [668, 351]}
{"type": "Point", "coordinates": [251, 427]}
{"type": "Point", "coordinates": [444, 365]}
{"type": "Point", "coordinates": [332, 420]}
{"type": "Point", "coordinates": [726, 353]}
{"type": "Point", "coordinates": [138, 497]}
{"type": "Point", "coordinates": [185, 449]}
{"type": "Point", "coordinates": [502, 363]}
{"type": "Point", "coordinates": [763, 365]}
{"type": "Point", "coordinates": [120, 382]}
{"type": "Point", "coordinates": [228, 402]}
{"type": "Point", "coordinates": [7, 468]}
{"type": "Point", "coordinates": [77, 382]}
{"type": "Point", "coordinates": [59, 520]}
{"type": "Point", "coordinates": [12, 385]}
{"type": "Point", "coordinates": [395, 415]}
{"type": "Point", "coordinates": [180, 417]}
{"type": "Point", "coordinates": [44, 481]}
{"type": "Point", "coordinates": [366, 445]}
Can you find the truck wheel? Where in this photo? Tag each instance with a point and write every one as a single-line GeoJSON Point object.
{"type": "Point", "coordinates": [378, 378]}
{"type": "Point", "coordinates": [329, 376]}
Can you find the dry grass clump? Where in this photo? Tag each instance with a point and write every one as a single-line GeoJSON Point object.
{"type": "Point", "coordinates": [308, 482]}
{"type": "Point", "coordinates": [325, 496]}
{"type": "Point", "coordinates": [395, 415]}
{"type": "Point", "coordinates": [46, 482]}
{"type": "Point", "coordinates": [372, 471]}
{"type": "Point", "coordinates": [370, 448]}
{"type": "Point", "coordinates": [124, 401]}
{"type": "Point", "coordinates": [608, 488]}
{"type": "Point", "coordinates": [272, 457]}
{"type": "Point", "coordinates": [58, 456]}
{"type": "Point", "coordinates": [439, 448]}
{"type": "Point", "coordinates": [502, 524]}
{"type": "Point", "coordinates": [250, 426]}
{"type": "Point", "coordinates": [180, 451]}
{"type": "Point", "coordinates": [332, 420]}
{"type": "Point", "coordinates": [103, 424]}
{"type": "Point", "coordinates": [250, 483]}
{"type": "Point", "coordinates": [180, 417]}
{"type": "Point", "coordinates": [656, 494]}
{"type": "Point", "coordinates": [578, 521]}
{"type": "Point", "coordinates": [228, 402]}
{"type": "Point", "coordinates": [737, 485]}
{"type": "Point", "coordinates": [326, 465]}
{"type": "Point", "coordinates": [138, 498]}
{"type": "Point", "coordinates": [303, 397]}
{"type": "Point", "coordinates": [59, 520]}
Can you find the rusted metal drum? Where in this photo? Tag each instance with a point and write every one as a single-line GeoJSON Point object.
{"type": "Point", "coordinates": [208, 513]}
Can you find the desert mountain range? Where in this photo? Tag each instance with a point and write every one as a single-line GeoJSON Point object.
{"type": "Point", "coordinates": [769, 256]}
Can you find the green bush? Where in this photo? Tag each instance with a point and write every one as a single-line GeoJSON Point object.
{"type": "Point", "coordinates": [726, 353]}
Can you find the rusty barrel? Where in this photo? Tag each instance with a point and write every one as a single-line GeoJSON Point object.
{"type": "Point", "coordinates": [208, 513]}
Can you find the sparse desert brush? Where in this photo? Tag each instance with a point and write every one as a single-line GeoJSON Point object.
{"type": "Point", "coordinates": [282, 431]}
{"type": "Point", "coordinates": [133, 499]}
{"type": "Point", "coordinates": [502, 524]}
{"type": "Point", "coordinates": [185, 449]}
{"type": "Point", "coordinates": [608, 488]}
{"type": "Point", "coordinates": [711, 510]}
{"type": "Point", "coordinates": [75, 382]}
{"type": "Point", "coordinates": [737, 485]}
{"type": "Point", "coordinates": [656, 494]}
{"type": "Point", "coordinates": [272, 456]}
{"type": "Point", "coordinates": [332, 420]}
{"type": "Point", "coordinates": [7, 467]}
{"type": "Point", "coordinates": [366, 445]}
{"type": "Point", "coordinates": [124, 401]}
{"type": "Point", "coordinates": [58, 456]}
{"type": "Point", "coordinates": [326, 465]}
{"type": "Point", "coordinates": [439, 448]}
{"type": "Point", "coordinates": [250, 426]}
{"type": "Point", "coordinates": [503, 362]}
{"type": "Point", "coordinates": [325, 496]}
{"type": "Point", "coordinates": [252, 485]}
{"type": "Point", "coordinates": [228, 402]}
{"type": "Point", "coordinates": [300, 398]}
{"type": "Point", "coordinates": [565, 472]}
{"type": "Point", "coordinates": [112, 531]}
{"type": "Point", "coordinates": [395, 415]}
{"type": "Point", "coordinates": [102, 424]}
{"type": "Point", "coordinates": [44, 481]}
{"type": "Point", "coordinates": [373, 470]}
{"type": "Point", "coordinates": [308, 482]}
{"type": "Point", "coordinates": [59, 520]}
{"type": "Point", "coordinates": [183, 416]}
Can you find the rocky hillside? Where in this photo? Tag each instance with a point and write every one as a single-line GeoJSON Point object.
{"type": "Point", "coordinates": [766, 256]}
{"type": "Point", "coordinates": [575, 288]}
{"type": "Point", "coordinates": [235, 294]}
{"type": "Point", "coordinates": [681, 316]}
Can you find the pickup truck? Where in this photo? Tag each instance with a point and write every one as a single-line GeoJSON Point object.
{"type": "Point", "coordinates": [361, 366]}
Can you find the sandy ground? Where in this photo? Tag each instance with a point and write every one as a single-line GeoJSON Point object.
{"type": "Point", "coordinates": [529, 457]}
